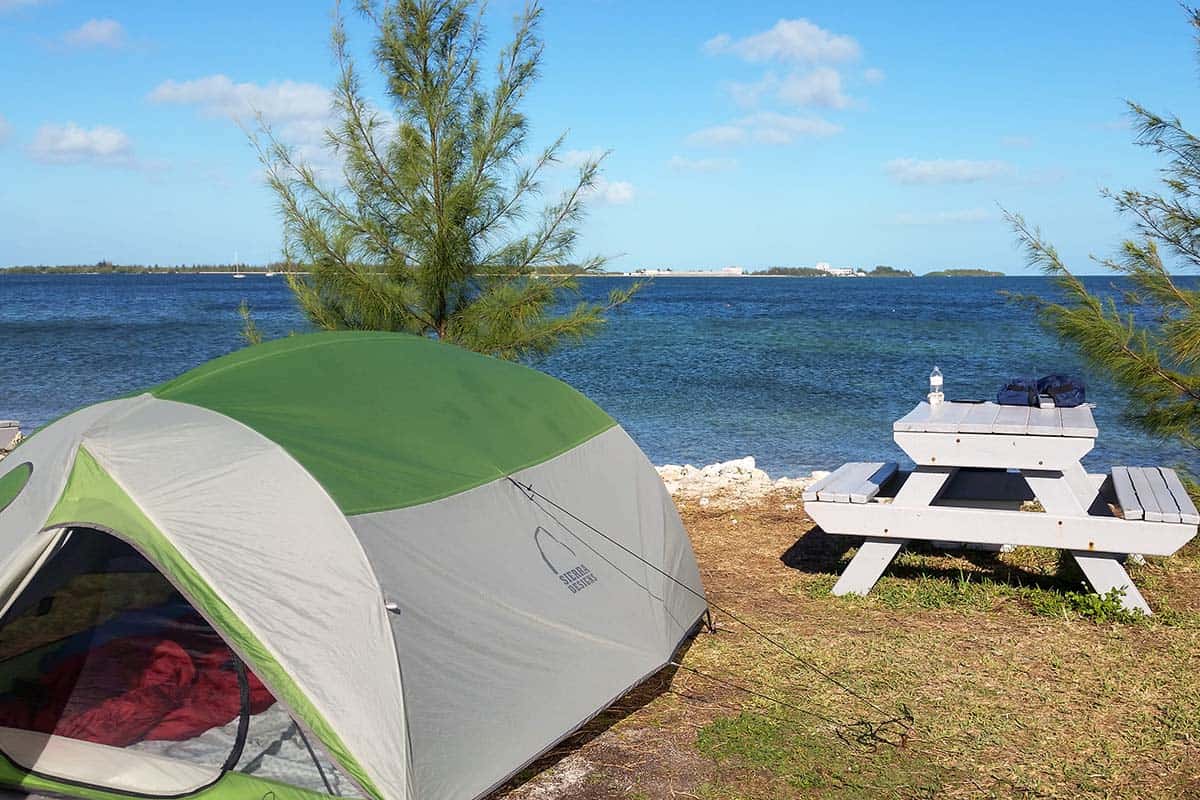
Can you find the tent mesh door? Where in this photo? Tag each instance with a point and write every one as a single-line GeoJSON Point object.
{"type": "Point", "coordinates": [100, 648]}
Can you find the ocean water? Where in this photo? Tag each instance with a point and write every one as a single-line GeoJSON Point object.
{"type": "Point", "coordinates": [803, 374]}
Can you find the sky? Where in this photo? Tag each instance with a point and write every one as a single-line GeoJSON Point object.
{"type": "Point", "coordinates": [750, 134]}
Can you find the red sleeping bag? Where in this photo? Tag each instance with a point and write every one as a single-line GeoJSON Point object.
{"type": "Point", "coordinates": [138, 689]}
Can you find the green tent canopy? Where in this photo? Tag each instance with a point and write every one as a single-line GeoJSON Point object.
{"type": "Point", "coordinates": [342, 564]}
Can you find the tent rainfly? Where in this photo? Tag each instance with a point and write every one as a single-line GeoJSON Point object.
{"type": "Point", "coordinates": [343, 564]}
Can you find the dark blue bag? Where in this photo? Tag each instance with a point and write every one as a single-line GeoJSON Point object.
{"type": "Point", "coordinates": [1066, 391]}
{"type": "Point", "coordinates": [1018, 392]}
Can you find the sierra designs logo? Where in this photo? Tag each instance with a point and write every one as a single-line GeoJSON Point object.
{"type": "Point", "coordinates": [561, 560]}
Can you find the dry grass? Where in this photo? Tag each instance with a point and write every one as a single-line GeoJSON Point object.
{"type": "Point", "coordinates": [1013, 693]}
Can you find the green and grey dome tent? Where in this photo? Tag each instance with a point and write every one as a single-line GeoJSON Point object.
{"type": "Point", "coordinates": [359, 564]}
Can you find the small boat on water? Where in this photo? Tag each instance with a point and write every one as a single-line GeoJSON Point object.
{"type": "Point", "coordinates": [239, 275]}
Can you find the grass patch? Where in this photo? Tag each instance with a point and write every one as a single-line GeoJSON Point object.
{"type": "Point", "coordinates": [1021, 683]}
{"type": "Point", "coordinates": [790, 754]}
{"type": "Point", "coordinates": [1031, 580]}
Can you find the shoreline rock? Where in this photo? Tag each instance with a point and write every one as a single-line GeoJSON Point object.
{"type": "Point", "coordinates": [10, 436]}
{"type": "Point", "coordinates": [737, 481]}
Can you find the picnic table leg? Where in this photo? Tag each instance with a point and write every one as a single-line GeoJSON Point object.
{"type": "Point", "coordinates": [922, 486]}
{"type": "Point", "coordinates": [1105, 572]}
{"type": "Point", "coordinates": [1056, 493]}
{"type": "Point", "coordinates": [1072, 494]}
{"type": "Point", "coordinates": [867, 565]}
{"type": "Point", "coordinates": [1082, 486]}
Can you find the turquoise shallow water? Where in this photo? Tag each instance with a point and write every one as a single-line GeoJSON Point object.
{"type": "Point", "coordinates": [801, 373]}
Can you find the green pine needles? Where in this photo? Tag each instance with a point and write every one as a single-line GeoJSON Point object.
{"type": "Point", "coordinates": [425, 230]}
{"type": "Point", "coordinates": [1150, 344]}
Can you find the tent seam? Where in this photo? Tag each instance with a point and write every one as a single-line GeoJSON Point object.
{"type": "Point", "coordinates": [500, 474]}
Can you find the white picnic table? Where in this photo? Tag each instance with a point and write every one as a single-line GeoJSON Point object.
{"type": "Point", "coordinates": [995, 443]}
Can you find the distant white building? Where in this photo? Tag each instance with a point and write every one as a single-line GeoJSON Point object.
{"type": "Point", "coordinates": [837, 272]}
{"type": "Point", "coordinates": [732, 271]}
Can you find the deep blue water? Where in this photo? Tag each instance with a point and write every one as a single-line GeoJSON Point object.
{"type": "Point", "coordinates": [801, 373]}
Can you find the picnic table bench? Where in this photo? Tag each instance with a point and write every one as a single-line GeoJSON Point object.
{"type": "Point", "coordinates": [1004, 456]}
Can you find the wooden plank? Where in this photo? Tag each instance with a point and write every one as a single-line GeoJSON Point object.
{"type": "Point", "coordinates": [847, 478]}
{"type": "Point", "coordinates": [1045, 422]}
{"type": "Point", "coordinates": [870, 487]}
{"type": "Point", "coordinates": [838, 475]}
{"type": "Point", "coordinates": [1078, 421]}
{"type": "Point", "coordinates": [1090, 533]}
{"type": "Point", "coordinates": [1162, 495]}
{"type": "Point", "coordinates": [1056, 494]}
{"type": "Point", "coordinates": [810, 492]}
{"type": "Point", "coordinates": [922, 486]}
{"type": "Point", "coordinates": [1141, 485]}
{"type": "Point", "coordinates": [1105, 573]}
{"type": "Point", "coordinates": [1126, 496]}
{"type": "Point", "coordinates": [867, 565]}
{"type": "Point", "coordinates": [979, 418]}
{"type": "Point", "coordinates": [914, 420]}
{"type": "Point", "coordinates": [1187, 509]}
{"type": "Point", "coordinates": [946, 417]}
{"type": "Point", "coordinates": [993, 450]}
{"type": "Point", "coordinates": [1012, 419]}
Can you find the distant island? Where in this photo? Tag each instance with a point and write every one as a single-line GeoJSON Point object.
{"type": "Point", "coordinates": [108, 268]}
{"type": "Point", "coordinates": [964, 273]}
{"type": "Point", "coordinates": [821, 270]}
{"type": "Point", "coordinates": [881, 271]}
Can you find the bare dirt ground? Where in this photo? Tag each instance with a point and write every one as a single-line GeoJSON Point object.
{"type": "Point", "coordinates": [1017, 684]}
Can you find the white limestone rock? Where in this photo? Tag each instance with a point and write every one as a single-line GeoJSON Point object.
{"type": "Point", "coordinates": [735, 482]}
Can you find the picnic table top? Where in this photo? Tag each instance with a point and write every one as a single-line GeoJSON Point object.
{"type": "Point", "coordinates": [991, 418]}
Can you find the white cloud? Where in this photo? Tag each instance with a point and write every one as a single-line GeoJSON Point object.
{"type": "Point", "coordinates": [794, 40]}
{"type": "Point", "coordinates": [769, 127]}
{"type": "Point", "coordinates": [72, 144]}
{"type": "Point", "coordinates": [577, 158]}
{"type": "Point", "coordinates": [797, 42]}
{"type": "Point", "coordinates": [765, 127]}
{"type": "Point", "coordinates": [611, 193]}
{"type": "Point", "coordinates": [5, 129]}
{"type": "Point", "coordinates": [96, 33]}
{"type": "Point", "coordinates": [874, 75]}
{"type": "Point", "coordinates": [702, 165]}
{"type": "Point", "coordinates": [218, 96]}
{"type": "Point", "coordinates": [603, 191]}
{"type": "Point", "coordinates": [749, 94]}
{"type": "Point", "coordinates": [966, 216]}
{"type": "Point", "coordinates": [821, 87]}
{"type": "Point", "coordinates": [917, 171]}
{"type": "Point", "coordinates": [717, 136]}
{"type": "Point", "coordinates": [299, 112]}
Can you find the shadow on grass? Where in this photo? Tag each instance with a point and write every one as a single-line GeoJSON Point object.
{"type": "Point", "coordinates": [817, 552]}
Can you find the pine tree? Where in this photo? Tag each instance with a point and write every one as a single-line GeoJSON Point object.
{"type": "Point", "coordinates": [1149, 342]}
{"type": "Point", "coordinates": [425, 230]}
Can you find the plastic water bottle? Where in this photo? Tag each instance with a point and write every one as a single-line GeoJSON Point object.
{"type": "Point", "coordinates": [935, 387]}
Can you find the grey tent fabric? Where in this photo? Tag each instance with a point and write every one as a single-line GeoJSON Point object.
{"type": "Point", "coordinates": [493, 640]}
